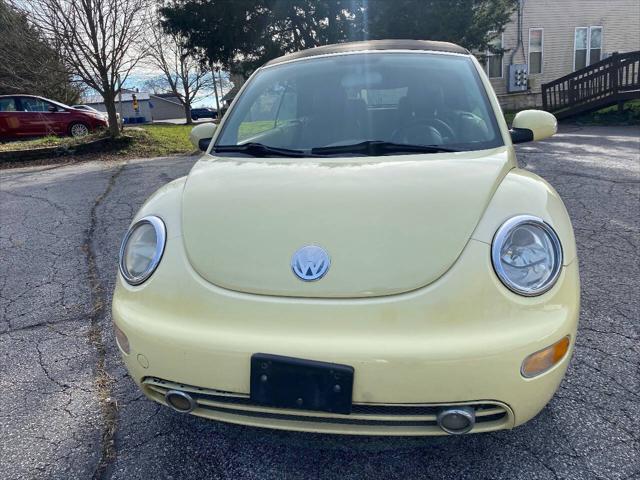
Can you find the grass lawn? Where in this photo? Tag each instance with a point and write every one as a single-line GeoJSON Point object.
{"type": "Point", "coordinates": [158, 140]}
{"type": "Point", "coordinates": [46, 142]}
{"type": "Point", "coordinates": [140, 141]}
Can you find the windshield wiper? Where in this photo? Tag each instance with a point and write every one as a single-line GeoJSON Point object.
{"type": "Point", "coordinates": [378, 147]}
{"type": "Point", "coordinates": [260, 150]}
{"type": "Point", "coordinates": [370, 148]}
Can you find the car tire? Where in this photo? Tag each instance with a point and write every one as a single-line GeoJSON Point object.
{"type": "Point", "coordinates": [78, 129]}
{"type": "Point", "coordinates": [194, 118]}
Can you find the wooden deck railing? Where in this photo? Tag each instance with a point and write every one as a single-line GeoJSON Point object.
{"type": "Point", "coordinates": [609, 81]}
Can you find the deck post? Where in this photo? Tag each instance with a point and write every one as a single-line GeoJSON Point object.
{"type": "Point", "coordinates": [572, 92]}
{"type": "Point", "coordinates": [614, 73]}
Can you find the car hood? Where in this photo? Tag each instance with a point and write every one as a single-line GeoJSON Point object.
{"type": "Point", "coordinates": [389, 224]}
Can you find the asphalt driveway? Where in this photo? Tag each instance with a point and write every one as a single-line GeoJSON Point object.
{"type": "Point", "coordinates": [68, 409]}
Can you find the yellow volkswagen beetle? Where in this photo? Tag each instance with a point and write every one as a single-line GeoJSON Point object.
{"type": "Point", "coordinates": [357, 252]}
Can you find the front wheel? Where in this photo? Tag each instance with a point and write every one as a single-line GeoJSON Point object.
{"type": "Point", "coordinates": [78, 130]}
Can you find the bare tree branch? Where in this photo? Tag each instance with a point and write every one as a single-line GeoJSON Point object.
{"type": "Point", "coordinates": [99, 39]}
{"type": "Point", "coordinates": [184, 72]}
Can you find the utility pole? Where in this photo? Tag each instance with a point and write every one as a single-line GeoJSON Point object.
{"type": "Point", "coordinates": [215, 90]}
{"type": "Point", "coordinates": [220, 78]}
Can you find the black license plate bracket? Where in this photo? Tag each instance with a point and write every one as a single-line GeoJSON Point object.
{"type": "Point", "coordinates": [295, 383]}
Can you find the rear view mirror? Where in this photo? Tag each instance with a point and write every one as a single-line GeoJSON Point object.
{"type": "Point", "coordinates": [530, 125]}
{"type": "Point", "coordinates": [53, 108]}
{"type": "Point", "coordinates": [201, 135]}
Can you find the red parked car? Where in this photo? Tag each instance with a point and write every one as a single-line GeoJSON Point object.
{"type": "Point", "coordinates": [31, 116]}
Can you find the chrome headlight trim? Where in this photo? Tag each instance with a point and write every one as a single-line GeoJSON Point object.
{"type": "Point", "coordinates": [498, 242]}
{"type": "Point", "coordinates": [161, 239]}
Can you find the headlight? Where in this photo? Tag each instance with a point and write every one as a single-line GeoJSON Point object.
{"type": "Point", "coordinates": [527, 255]}
{"type": "Point", "coordinates": [142, 249]}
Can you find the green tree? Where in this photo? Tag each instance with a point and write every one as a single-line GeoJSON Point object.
{"type": "Point", "coordinates": [470, 23]}
{"type": "Point", "coordinates": [29, 63]}
{"type": "Point", "coordinates": [243, 34]}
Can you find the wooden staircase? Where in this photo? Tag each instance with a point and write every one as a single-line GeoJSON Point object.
{"type": "Point", "coordinates": [611, 81]}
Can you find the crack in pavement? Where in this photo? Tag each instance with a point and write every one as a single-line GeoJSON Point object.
{"type": "Point", "coordinates": [103, 380]}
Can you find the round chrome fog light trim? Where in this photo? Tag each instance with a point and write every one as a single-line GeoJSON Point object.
{"type": "Point", "coordinates": [180, 401]}
{"type": "Point", "coordinates": [457, 420]}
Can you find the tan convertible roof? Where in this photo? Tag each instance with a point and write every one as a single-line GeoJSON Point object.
{"type": "Point", "coordinates": [373, 45]}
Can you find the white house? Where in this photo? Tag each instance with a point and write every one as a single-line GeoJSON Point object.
{"type": "Point", "coordinates": [556, 37]}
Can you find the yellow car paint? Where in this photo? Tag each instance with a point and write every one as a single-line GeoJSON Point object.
{"type": "Point", "coordinates": [427, 331]}
{"type": "Point", "coordinates": [349, 201]}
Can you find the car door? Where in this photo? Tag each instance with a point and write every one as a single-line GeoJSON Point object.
{"type": "Point", "coordinates": [9, 122]}
{"type": "Point", "coordinates": [38, 119]}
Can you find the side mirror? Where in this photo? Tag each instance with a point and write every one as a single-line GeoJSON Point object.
{"type": "Point", "coordinates": [530, 125]}
{"type": "Point", "coordinates": [200, 135]}
{"type": "Point", "coordinates": [53, 108]}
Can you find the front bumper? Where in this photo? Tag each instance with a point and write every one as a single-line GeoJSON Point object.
{"type": "Point", "coordinates": [458, 341]}
{"type": "Point", "coordinates": [365, 418]}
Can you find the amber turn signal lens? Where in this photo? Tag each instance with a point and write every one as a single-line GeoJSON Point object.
{"type": "Point", "coordinates": [544, 359]}
{"type": "Point", "coordinates": [121, 338]}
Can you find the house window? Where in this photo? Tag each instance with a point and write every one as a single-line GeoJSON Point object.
{"type": "Point", "coordinates": [588, 46]}
{"type": "Point", "coordinates": [595, 44]}
{"type": "Point", "coordinates": [494, 60]}
{"type": "Point", "coordinates": [536, 40]}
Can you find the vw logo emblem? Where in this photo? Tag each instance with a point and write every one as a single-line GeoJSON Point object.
{"type": "Point", "coordinates": [310, 263]}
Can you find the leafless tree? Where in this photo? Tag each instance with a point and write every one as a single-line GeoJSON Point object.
{"type": "Point", "coordinates": [99, 40]}
{"type": "Point", "coordinates": [184, 74]}
{"type": "Point", "coordinates": [156, 85]}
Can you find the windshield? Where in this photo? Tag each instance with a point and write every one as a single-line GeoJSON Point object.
{"type": "Point", "coordinates": [353, 100]}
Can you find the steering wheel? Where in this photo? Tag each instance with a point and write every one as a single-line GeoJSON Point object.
{"type": "Point", "coordinates": [427, 131]}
